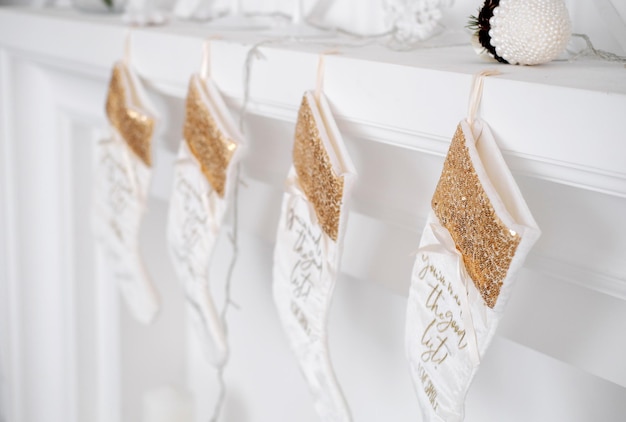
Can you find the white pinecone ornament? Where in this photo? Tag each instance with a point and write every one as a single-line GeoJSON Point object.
{"type": "Point", "coordinates": [525, 32]}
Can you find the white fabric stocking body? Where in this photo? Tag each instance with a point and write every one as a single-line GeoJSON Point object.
{"type": "Point", "coordinates": [306, 263]}
{"type": "Point", "coordinates": [308, 248]}
{"type": "Point", "coordinates": [121, 189]}
{"type": "Point", "coordinates": [204, 180]}
{"type": "Point", "coordinates": [487, 230]}
{"type": "Point", "coordinates": [442, 328]}
{"type": "Point", "coordinates": [195, 217]}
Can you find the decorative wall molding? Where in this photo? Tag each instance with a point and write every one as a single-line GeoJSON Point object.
{"type": "Point", "coordinates": [11, 363]}
{"type": "Point", "coordinates": [37, 343]}
{"type": "Point", "coordinates": [588, 178]}
{"type": "Point", "coordinates": [555, 269]}
{"type": "Point", "coordinates": [559, 127]}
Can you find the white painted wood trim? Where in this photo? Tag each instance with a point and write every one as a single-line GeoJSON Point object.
{"type": "Point", "coordinates": [65, 157]}
{"type": "Point", "coordinates": [532, 149]}
{"type": "Point", "coordinates": [575, 105]}
{"type": "Point", "coordinates": [10, 277]}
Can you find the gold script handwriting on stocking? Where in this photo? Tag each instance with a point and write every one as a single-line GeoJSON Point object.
{"type": "Point", "coordinates": [191, 257]}
{"type": "Point", "coordinates": [119, 198]}
{"type": "Point", "coordinates": [429, 387]}
{"type": "Point", "coordinates": [119, 192]}
{"type": "Point", "coordinates": [433, 271]}
{"type": "Point", "coordinates": [120, 189]}
{"type": "Point", "coordinates": [191, 230]}
{"type": "Point", "coordinates": [444, 305]}
{"type": "Point", "coordinates": [436, 349]}
{"type": "Point", "coordinates": [307, 248]}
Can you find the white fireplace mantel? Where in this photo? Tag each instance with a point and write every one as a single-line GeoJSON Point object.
{"type": "Point", "coordinates": [69, 352]}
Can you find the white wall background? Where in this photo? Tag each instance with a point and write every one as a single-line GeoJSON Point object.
{"type": "Point", "coordinates": [70, 351]}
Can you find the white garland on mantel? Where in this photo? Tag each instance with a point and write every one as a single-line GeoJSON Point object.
{"type": "Point", "coordinates": [591, 51]}
{"type": "Point", "coordinates": [414, 20]}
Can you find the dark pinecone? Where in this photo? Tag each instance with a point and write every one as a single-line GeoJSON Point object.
{"type": "Point", "coordinates": [481, 25]}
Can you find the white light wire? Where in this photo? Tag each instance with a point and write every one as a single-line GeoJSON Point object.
{"type": "Point", "coordinates": [331, 41]}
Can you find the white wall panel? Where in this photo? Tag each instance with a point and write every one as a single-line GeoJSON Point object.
{"type": "Point", "coordinates": [70, 351]}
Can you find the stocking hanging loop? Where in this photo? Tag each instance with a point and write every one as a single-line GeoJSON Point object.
{"type": "Point", "coordinates": [205, 69]}
{"type": "Point", "coordinates": [127, 48]}
{"type": "Point", "coordinates": [477, 93]}
{"type": "Point", "coordinates": [319, 86]}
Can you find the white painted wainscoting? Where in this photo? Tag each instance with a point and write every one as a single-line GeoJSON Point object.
{"type": "Point", "coordinates": [70, 352]}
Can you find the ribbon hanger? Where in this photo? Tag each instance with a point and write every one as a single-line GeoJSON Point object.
{"type": "Point", "coordinates": [477, 93]}
{"type": "Point", "coordinates": [319, 86]}
{"type": "Point", "coordinates": [205, 69]}
{"type": "Point", "coordinates": [127, 56]}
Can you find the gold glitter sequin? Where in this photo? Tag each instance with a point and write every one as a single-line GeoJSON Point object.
{"type": "Point", "coordinates": [206, 141]}
{"type": "Point", "coordinates": [322, 186]}
{"type": "Point", "coordinates": [134, 126]}
{"type": "Point", "coordinates": [462, 206]}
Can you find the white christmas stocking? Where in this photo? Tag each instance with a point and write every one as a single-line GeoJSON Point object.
{"type": "Point", "coordinates": [308, 248]}
{"type": "Point", "coordinates": [123, 169]}
{"type": "Point", "coordinates": [477, 237]}
{"type": "Point", "coordinates": [203, 181]}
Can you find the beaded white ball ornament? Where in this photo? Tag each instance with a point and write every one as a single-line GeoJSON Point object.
{"type": "Point", "coordinates": [525, 32]}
